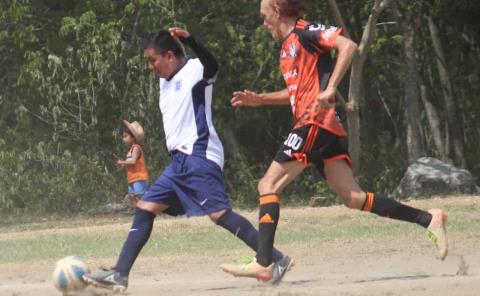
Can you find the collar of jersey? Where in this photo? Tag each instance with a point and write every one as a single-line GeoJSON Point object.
{"type": "Point", "coordinates": [288, 35]}
{"type": "Point", "coordinates": [184, 62]}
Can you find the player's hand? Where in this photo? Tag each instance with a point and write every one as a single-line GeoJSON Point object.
{"type": "Point", "coordinates": [120, 164]}
{"type": "Point", "coordinates": [327, 98]}
{"type": "Point", "coordinates": [177, 32]}
{"type": "Point", "coordinates": [246, 98]}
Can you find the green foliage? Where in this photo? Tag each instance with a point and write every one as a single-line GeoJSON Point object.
{"type": "Point", "coordinates": [39, 182]}
{"type": "Point", "coordinates": [72, 70]}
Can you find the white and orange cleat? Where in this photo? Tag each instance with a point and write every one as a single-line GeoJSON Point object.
{"type": "Point", "coordinates": [437, 233]}
{"type": "Point", "coordinates": [250, 269]}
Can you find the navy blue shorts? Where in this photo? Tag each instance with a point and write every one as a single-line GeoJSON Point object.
{"type": "Point", "coordinates": [191, 185]}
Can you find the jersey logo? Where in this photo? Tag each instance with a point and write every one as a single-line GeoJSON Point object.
{"type": "Point", "coordinates": [266, 219]}
{"type": "Point", "coordinates": [292, 50]}
{"type": "Point", "coordinates": [178, 85]}
{"type": "Point", "coordinates": [110, 278]}
{"type": "Point", "coordinates": [315, 27]}
{"type": "Point", "coordinates": [288, 152]}
{"type": "Point", "coordinates": [280, 268]}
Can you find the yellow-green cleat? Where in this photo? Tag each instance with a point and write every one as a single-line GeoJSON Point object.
{"type": "Point", "coordinates": [436, 232]}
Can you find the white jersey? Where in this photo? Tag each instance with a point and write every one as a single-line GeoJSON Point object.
{"type": "Point", "coordinates": [186, 106]}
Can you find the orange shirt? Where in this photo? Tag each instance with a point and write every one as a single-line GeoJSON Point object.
{"type": "Point", "coordinates": [139, 171]}
{"type": "Point", "coordinates": [306, 66]}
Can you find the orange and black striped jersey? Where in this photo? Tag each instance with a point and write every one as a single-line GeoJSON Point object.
{"type": "Point", "coordinates": [306, 66]}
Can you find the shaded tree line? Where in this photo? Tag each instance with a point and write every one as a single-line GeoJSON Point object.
{"type": "Point", "coordinates": [70, 71]}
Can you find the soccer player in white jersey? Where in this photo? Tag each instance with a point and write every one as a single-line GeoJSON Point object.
{"type": "Point", "coordinates": [192, 184]}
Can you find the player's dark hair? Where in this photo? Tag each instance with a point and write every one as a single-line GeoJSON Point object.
{"type": "Point", "coordinates": [163, 42]}
{"type": "Point", "coordinates": [290, 8]}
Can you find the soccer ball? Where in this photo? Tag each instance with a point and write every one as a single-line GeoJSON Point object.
{"type": "Point", "coordinates": [67, 276]}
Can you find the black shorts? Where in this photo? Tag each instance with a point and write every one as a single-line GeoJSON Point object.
{"type": "Point", "coordinates": [313, 144]}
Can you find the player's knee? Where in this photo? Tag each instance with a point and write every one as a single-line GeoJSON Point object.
{"type": "Point", "coordinates": [353, 200]}
{"type": "Point", "coordinates": [215, 216]}
{"type": "Point", "coordinates": [265, 186]}
{"type": "Point", "coordinates": [151, 207]}
{"type": "Point", "coordinates": [347, 201]}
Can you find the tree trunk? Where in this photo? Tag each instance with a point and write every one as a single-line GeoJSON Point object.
{"type": "Point", "coordinates": [389, 113]}
{"type": "Point", "coordinates": [358, 62]}
{"type": "Point", "coordinates": [455, 131]}
{"type": "Point", "coordinates": [412, 111]}
{"type": "Point", "coordinates": [338, 17]}
{"type": "Point", "coordinates": [434, 123]}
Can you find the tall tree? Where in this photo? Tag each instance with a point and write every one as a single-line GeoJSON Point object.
{"type": "Point", "coordinates": [455, 131]}
{"type": "Point", "coordinates": [414, 133]}
{"type": "Point", "coordinates": [358, 62]}
{"type": "Point", "coordinates": [433, 121]}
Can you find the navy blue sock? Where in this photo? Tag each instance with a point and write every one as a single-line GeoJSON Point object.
{"type": "Point", "coordinates": [137, 237]}
{"type": "Point", "coordinates": [242, 228]}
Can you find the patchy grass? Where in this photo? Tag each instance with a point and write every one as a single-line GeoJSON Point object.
{"type": "Point", "coordinates": [102, 237]}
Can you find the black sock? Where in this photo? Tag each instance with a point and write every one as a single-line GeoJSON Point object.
{"type": "Point", "coordinates": [388, 207]}
{"type": "Point", "coordinates": [137, 237]}
{"type": "Point", "coordinates": [243, 229]}
{"type": "Point", "coordinates": [269, 215]}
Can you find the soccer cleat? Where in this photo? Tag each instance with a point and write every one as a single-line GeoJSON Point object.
{"type": "Point", "coordinates": [107, 279]}
{"type": "Point", "coordinates": [250, 269]}
{"type": "Point", "coordinates": [437, 233]}
{"type": "Point", "coordinates": [280, 267]}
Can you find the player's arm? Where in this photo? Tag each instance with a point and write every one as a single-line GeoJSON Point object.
{"type": "Point", "coordinates": [322, 39]}
{"type": "Point", "coordinates": [210, 64]}
{"type": "Point", "coordinates": [253, 99]}
{"type": "Point", "coordinates": [346, 48]}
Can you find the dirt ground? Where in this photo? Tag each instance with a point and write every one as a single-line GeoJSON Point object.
{"type": "Point", "coordinates": [385, 267]}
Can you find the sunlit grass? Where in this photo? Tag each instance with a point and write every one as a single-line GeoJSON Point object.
{"type": "Point", "coordinates": [183, 236]}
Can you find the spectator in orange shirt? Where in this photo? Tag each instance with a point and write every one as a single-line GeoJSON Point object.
{"type": "Point", "coordinates": [134, 164]}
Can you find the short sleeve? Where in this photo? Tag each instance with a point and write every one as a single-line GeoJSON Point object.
{"type": "Point", "coordinates": [319, 38]}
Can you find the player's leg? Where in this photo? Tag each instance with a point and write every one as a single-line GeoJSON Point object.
{"type": "Point", "coordinates": [289, 162]}
{"type": "Point", "coordinates": [277, 177]}
{"type": "Point", "coordinates": [240, 227]}
{"type": "Point", "coordinates": [138, 234]}
{"type": "Point", "coordinates": [156, 200]}
{"type": "Point", "coordinates": [340, 178]}
{"type": "Point", "coordinates": [117, 277]}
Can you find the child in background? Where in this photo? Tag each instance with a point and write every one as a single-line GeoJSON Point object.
{"type": "Point", "coordinates": [135, 164]}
